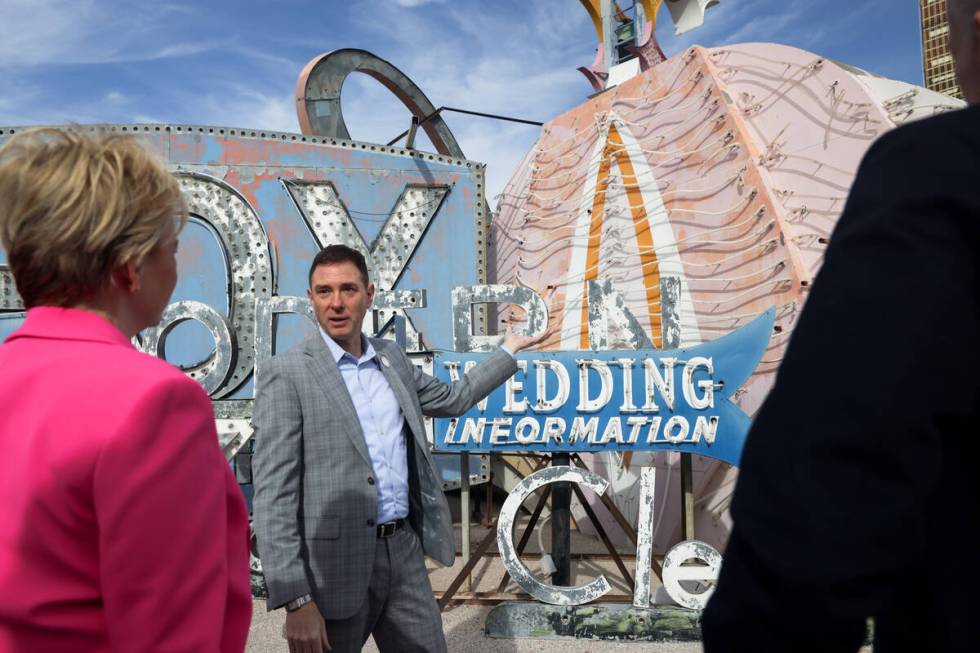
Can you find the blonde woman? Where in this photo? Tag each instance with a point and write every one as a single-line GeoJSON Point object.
{"type": "Point", "coordinates": [121, 527]}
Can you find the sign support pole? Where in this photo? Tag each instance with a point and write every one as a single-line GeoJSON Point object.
{"type": "Point", "coordinates": [687, 496]}
{"type": "Point", "coordinates": [464, 505]}
{"type": "Point", "coordinates": [670, 325]}
{"type": "Point", "coordinates": [621, 519]}
{"type": "Point", "coordinates": [561, 498]}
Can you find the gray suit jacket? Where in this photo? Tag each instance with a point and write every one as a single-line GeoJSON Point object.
{"type": "Point", "coordinates": [314, 503]}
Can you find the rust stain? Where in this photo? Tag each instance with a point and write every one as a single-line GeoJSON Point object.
{"type": "Point", "coordinates": [191, 150]}
{"type": "Point", "coordinates": [627, 459]}
{"type": "Point", "coordinates": [235, 151]}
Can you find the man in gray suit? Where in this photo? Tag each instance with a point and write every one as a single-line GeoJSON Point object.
{"type": "Point", "coordinates": [346, 496]}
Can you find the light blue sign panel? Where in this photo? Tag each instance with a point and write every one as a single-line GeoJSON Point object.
{"type": "Point", "coordinates": [261, 205]}
{"type": "Point", "coordinates": [282, 180]}
{"type": "Point", "coordinates": [646, 400]}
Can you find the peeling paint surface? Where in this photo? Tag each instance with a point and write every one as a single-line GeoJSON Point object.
{"type": "Point", "coordinates": [704, 572]}
{"type": "Point", "coordinates": [265, 311]}
{"type": "Point", "coordinates": [465, 339]}
{"type": "Point", "coordinates": [262, 203]}
{"type": "Point", "coordinates": [505, 538]}
{"type": "Point", "coordinates": [724, 169]}
{"type": "Point", "coordinates": [211, 374]}
{"type": "Point", "coordinates": [644, 537]}
{"type": "Point", "coordinates": [611, 401]}
{"type": "Point", "coordinates": [611, 320]}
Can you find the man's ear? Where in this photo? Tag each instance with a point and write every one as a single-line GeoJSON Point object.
{"type": "Point", "coordinates": [126, 277]}
{"type": "Point", "coordinates": [370, 293]}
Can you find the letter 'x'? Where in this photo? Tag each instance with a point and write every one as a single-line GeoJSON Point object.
{"type": "Point", "coordinates": [389, 254]}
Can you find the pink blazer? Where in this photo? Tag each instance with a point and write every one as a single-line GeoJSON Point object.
{"type": "Point", "coordinates": [121, 525]}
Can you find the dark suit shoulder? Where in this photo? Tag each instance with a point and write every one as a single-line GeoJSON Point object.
{"type": "Point", "coordinates": [921, 175]}
{"type": "Point", "coordinates": [943, 150]}
{"type": "Point", "coordinates": [959, 124]}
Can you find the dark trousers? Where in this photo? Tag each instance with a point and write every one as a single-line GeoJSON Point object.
{"type": "Point", "coordinates": [400, 610]}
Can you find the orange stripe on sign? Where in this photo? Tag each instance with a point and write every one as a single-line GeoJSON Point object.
{"type": "Point", "coordinates": [644, 239]}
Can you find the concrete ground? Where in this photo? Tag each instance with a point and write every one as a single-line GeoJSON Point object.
{"type": "Point", "coordinates": [464, 624]}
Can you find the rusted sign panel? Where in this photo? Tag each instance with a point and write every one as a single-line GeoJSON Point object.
{"type": "Point", "coordinates": [262, 204]}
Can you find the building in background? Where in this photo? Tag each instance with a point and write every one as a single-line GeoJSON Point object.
{"type": "Point", "coordinates": [937, 62]}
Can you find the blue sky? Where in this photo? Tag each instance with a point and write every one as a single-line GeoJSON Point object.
{"type": "Point", "coordinates": [235, 63]}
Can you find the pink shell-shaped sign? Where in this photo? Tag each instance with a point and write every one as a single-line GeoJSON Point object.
{"type": "Point", "coordinates": [726, 168]}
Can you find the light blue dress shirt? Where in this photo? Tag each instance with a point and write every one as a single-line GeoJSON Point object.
{"type": "Point", "coordinates": [382, 422]}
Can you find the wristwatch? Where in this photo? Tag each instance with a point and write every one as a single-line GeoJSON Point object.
{"type": "Point", "coordinates": [296, 604]}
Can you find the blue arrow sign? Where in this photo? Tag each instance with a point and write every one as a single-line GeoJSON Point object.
{"type": "Point", "coordinates": [623, 400]}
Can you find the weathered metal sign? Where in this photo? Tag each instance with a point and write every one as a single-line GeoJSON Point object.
{"type": "Point", "coordinates": [613, 400]}
{"type": "Point", "coordinates": [262, 204]}
{"type": "Point", "coordinates": [677, 565]}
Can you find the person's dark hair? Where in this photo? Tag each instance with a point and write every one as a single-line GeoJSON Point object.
{"type": "Point", "coordinates": [339, 254]}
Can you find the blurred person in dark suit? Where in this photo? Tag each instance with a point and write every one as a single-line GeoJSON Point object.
{"type": "Point", "coordinates": [857, 493]}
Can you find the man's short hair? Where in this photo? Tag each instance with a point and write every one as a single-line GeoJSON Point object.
{"type": "Point", "coordinates": [75, 203]}
{"type": "Point", "coordinates": [339, 254]}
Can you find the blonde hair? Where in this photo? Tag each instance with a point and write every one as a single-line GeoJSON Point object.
{"type": "Point", "coordinates": [74, 205]}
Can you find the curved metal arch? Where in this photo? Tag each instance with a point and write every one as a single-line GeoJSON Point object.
{"type": "Point", "coordinates": [318, 90]}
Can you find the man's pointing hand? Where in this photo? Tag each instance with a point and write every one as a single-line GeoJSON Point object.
{"type": "Point", "coordinates": [515, 342]}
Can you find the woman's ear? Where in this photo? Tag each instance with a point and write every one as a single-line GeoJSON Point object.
{"type": "Point", "coordinates": [126, 277]}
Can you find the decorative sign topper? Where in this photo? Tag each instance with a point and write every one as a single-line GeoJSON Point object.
{"type": "Point", "coordinates": [638, 400]}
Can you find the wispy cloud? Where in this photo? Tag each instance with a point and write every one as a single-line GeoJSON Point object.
{"type": "Point", "coordinates": [212, 63]}
{"type": "Point", "coordinates": [415, 3]}
{"type": "Point", "coordinates": [239, 105]}
{"type": "Point", "coordinates": [480, 58]}
{"type": "Point", "coordinates": [116, 97]}
{"type": "Point", "coordinates": [42, 32]}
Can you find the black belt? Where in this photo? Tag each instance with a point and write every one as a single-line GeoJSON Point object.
{"type": "Point", "coordinates": [389, 528]}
